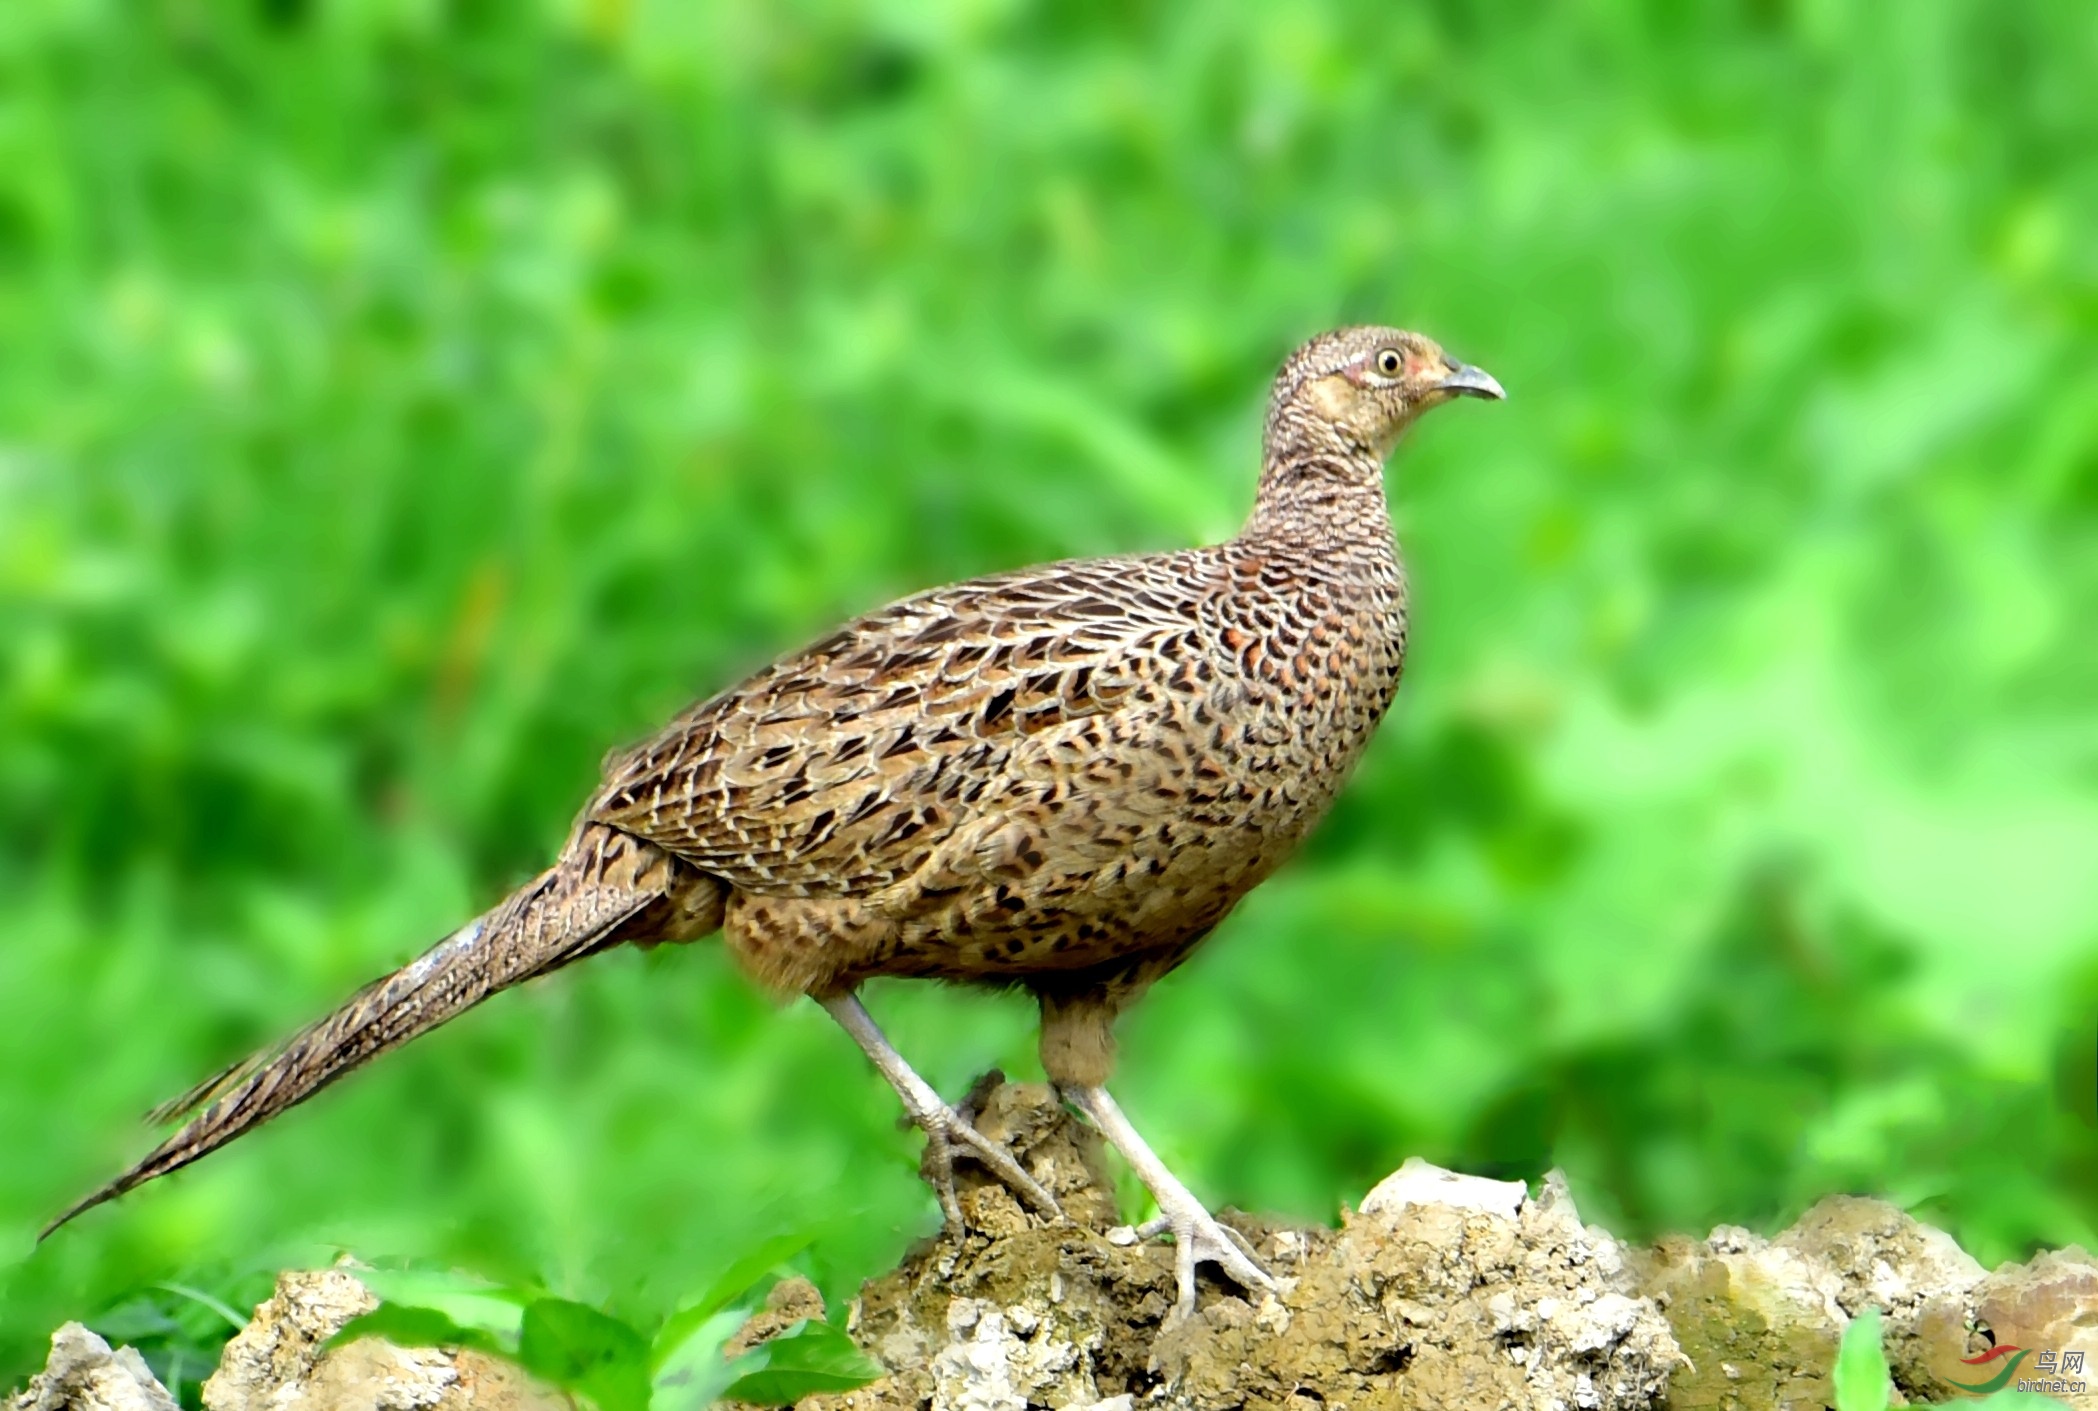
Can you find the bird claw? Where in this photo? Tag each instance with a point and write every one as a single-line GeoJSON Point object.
{"type": "Point", "coordinates": [1200, 1238]}
{"type": "Point", "coordinates": [946, 1129]}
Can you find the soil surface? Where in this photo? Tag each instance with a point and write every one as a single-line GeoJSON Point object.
{"type": "Point", "coordinates": [1439, 1291]}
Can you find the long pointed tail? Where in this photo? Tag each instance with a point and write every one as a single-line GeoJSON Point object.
{"type": "Point", "coordinates": [608, 887]}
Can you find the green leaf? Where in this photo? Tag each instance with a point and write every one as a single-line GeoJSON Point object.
{"type": "Point", "coordinates": [577, 1347]}
{"type": "Point", "coordinates": [686, 1358]}
{"type": "Point", "coordinates": [691, 1374]}
{"type": "Point", "coordinates": [1862, 1383]}
{"type": "Point", "coordinates": [734, 1281]}
{"type": "Point", "coordinates": [407, 1325]}
{"type": "Point", "coordinates": [205, 1300]}
{"type": "Point", "coordinates": [180, 1327]}
{"type": "Point", "coordinates": [134, 1320]}
{"type": "Point", "coordinates": [468, 1301]}
{"type": "Point", "coordinates": [807, 1358]}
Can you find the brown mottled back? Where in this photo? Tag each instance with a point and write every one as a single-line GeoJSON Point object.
{"type": "Point", "coordinates": [1060, 778]}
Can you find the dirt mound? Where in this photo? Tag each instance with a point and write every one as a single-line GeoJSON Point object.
{"type": "Point", "coordinates": [1441, 1291]}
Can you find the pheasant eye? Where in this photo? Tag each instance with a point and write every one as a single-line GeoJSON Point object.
{"type": "Point", "coordinates": [1390, 363]}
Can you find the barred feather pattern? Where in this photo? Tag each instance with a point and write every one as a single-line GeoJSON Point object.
{"type": "Point", "coordinates": [1060, 778]}
{"type": "Point", "coordinates": [605, 881]}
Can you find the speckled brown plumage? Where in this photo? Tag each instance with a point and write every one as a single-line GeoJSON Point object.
{"type": "Point", "coordinates": [1060, 778]}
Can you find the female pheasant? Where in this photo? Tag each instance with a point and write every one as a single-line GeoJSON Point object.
{"type": "Point", "coordinates": [1061, 779]}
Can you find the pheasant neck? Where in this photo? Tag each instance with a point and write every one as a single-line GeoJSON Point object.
{"type": "Point", "coordinates": [1331, 503]}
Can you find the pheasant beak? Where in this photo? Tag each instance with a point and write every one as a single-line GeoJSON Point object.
{"type": "Point", "coordinates": [1465, 380]}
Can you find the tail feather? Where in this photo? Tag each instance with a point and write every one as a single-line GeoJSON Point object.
{"type": "Point", "coordinates": [605, 881]}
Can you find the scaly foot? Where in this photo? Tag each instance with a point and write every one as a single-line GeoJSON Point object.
{"type": "Point", "coordinates": [1198, 1236]}
{"type": "Point", "coordinates": [945, 1129]}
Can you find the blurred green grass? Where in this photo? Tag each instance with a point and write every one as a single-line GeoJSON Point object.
{"type": "Point", "coordinates": [403, 403]}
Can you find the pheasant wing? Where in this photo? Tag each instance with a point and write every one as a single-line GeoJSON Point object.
{"type": "Point", "coordinates": [836, 770]}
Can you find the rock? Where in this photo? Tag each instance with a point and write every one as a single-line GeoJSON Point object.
{"type": "Point", "coordinates": [791, 1301]}
{"type": "Point", "coordinates": [1882, 1256]}
{"type": "Point", "coordinates": [1426, 1304]}
{"type": "Point", "coordinates": [82, 1374]}
{"type": "Point", "coordinates": [281, 1362]}
{"type": "Point", "coordinates": [1919, 1278]}
{"type": "Point", "coordinates": [2047, 1306]}
{"type": "Point", "coordinates": [1761, 1319]}
{"type": "Point", "coordinates": [1759, 1326]}
{"type": "Point", "coordinates": [282, 1344]}
{"type": "Point", "coordinates": [1418, 1183]}
{"type": "Point", "coordinates": [991, 1364]}
{"type": "Point", "coordinates": [1443, 1291]}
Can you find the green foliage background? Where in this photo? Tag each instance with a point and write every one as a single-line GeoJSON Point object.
{"type": "Point", "coordinates": [401, 403]}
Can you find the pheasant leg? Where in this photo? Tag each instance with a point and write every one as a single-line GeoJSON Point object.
{"type": "Point", "coordinates": [944, 1128]}
{"type": "Point", "coordinates": [1198, 1236]}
